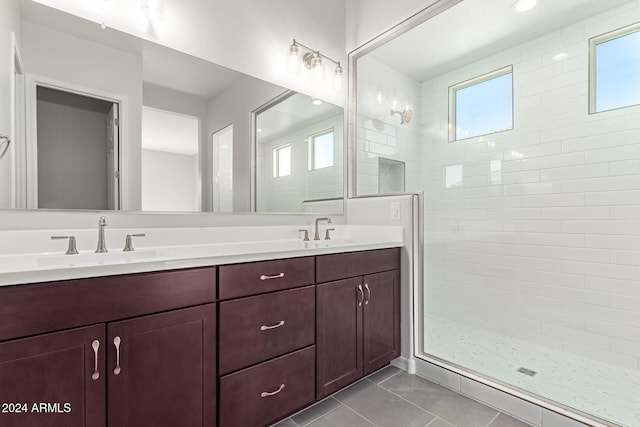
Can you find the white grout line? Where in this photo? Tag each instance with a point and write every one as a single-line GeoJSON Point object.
{"type": "Point", "coordinates": [494, 418]}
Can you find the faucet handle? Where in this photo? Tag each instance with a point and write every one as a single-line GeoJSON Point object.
{"type": "Point", "coordinates": [306, 234]}
{"type": "Point", "coordinates": [128, 242]}
{"type": "Point", "coordinates": [71, 250]}
{"type": "Point", "coordinates": [326, 233]}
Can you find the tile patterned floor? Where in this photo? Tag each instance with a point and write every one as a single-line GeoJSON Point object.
{"type": "Point", "coordinates": [392, 398]}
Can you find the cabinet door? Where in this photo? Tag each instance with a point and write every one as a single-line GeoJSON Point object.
{"type": "Point", "coordinates": [54, 380]}
{"type": "Point", "coordinates": [338, 334]}
{"type": "Point", "coordinates": [161, 369]}
{"type": "Point", "coordinates": [381, 324]}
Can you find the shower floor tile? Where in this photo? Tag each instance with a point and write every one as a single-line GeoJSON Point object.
{"type": "Point", "coordinates": [593, 387]}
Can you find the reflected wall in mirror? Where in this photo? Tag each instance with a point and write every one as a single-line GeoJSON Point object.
{"type": "Point", "coordinates": [299, 155]}
{"type": "Point", "coordinates": [165, 155]}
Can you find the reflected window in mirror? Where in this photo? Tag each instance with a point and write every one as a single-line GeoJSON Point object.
{"type": "Point", "coordinates": [298, 155]}
{"type": "Point", "coordinates": [321, 150]}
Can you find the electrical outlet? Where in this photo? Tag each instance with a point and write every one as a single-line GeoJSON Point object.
{"type": "Point", "coordinates": [395, 211]}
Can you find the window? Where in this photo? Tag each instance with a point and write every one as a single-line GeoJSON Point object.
{"type": "Point", "coordinates": [481, 105]}
{"type": "Point", "coordinates": [282, 161]}
{"type": "Point", "coordinates": [614, 69]}
{"type": "Point", "coordinates": [321, 150]}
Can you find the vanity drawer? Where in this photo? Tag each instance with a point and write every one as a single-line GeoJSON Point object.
{"type": "Point", "coordinates": [261, 327]}
{"type": "Point", "coordinates": [239, 280]}
{"type": "Point", "coordinates": [351, 264]}
{"type": "Point", "coordinates": [264, 393]}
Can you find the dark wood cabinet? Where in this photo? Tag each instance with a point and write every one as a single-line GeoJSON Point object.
{"type": "Point", "coordinates": [161, 369]}
{"type": "Point", "coordinates": [54, 379]}
{"type": "Point", "coordinates": [381, 323]}
{"type": "Point", "coordinates": [338, 335]}
{"type": "Point", "coordinates": [357, 319]}
{"type": "Point", "coordinates": [266, 341]}
{"type": "Point", "coordinates": [156, 368]}
{"type": "Point", "coordinates": [157, 349]}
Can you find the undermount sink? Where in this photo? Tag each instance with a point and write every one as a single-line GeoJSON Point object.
{"type": "Point", "coordinates": [91, 258]}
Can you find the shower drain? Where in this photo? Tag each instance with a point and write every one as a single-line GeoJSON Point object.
{"type": "Point", "coordinates": [526, 371]}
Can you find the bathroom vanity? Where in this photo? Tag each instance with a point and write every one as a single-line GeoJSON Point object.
{"type": "Point", "coordinates": [235, 344]}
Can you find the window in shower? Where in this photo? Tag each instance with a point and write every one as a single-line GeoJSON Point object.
{"type": "Point", "coordinates": [615, 69]}
{"type": "Point", "coordinates": [321, 150]}
{"type": "Point", "coordinates": [481, 105]}
{"type": "Point", "coordinates": [282, 161]}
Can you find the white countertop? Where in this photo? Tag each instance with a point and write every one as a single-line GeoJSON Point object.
{"type": "Point", "coordinates": [227, 245]}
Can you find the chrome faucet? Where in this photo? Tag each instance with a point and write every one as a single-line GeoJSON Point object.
{"type": "Point", "coordinates": [102, 247]}
{"type": "Point", "coordinates": [317, 234]}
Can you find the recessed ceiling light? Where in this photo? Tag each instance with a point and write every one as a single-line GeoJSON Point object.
{"type": "Point", "coordinates": [317, 101]}
{"type": "Point", "coordinates": [524, 5]}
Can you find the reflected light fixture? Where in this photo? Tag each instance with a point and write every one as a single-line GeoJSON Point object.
{"type": "Point", "coordinates": [314, 61]}
{"type": "Point", "coordinates": [524, 5]}
{"type": "Point", "coordinates": [153, 10]}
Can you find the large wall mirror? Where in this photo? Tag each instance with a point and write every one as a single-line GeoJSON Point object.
{"type": "Point", "coordinates": [113, 121]}
{"type": "Point", "coordinates": [299, 151]}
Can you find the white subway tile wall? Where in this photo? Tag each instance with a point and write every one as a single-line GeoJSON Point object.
{"type": "Point", "coordinates": [287, 193]}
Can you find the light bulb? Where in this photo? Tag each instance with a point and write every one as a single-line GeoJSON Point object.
{"type": "Point", "coordinates": [317, 69]}
{"type": "Point", "coordinates": [293, 62]}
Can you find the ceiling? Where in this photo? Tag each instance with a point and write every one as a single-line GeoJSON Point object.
{"type": "Point", "coordinates": [162, 66]}
{"type": "Point", "coordinates": [482, 27]}
{"type": "Point", "coordinates": [295, 112]}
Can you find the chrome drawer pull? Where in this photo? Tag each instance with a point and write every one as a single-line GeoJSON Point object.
{"type": "Point", "coordinates": [116, 342]}
{"type": "Point", "coordinates": [277, 276]}
{"type": "Point", "coordinates": [360, 301]}
{"type": "Point", "coordinates": [277, 325]}
{"type": "Point", "coordinates": [366, 287]}
{"type": "Point", "coordinates": [267, 394]}
{"type": "Point", "coordinates": [95, 345]}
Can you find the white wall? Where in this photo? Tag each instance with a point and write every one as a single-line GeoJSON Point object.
{"type": "Point", "coordinates": [550, 253]}
{"type": "Point", "coordinates": [250, 36]}
{"type": "Point", "coordinates": [234, 106]}
{"type": "Point", "coordinates": [169, 182]}
{"type": "Point", "coordinates": [58, 56]}
{"type": "Point", "coordinates": [168, 99]}
{"type": "Point", "coordinates": [9, 22]}
{"type": "Point", "coordinates": [286, 194]}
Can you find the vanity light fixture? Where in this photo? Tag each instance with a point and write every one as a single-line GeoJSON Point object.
{"type": "Point", "coordinates": [314, 61]}
{"type": "Point", "coordinates": [524, 5]}
{"type": "Point", "coordinates": [153, 10]}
